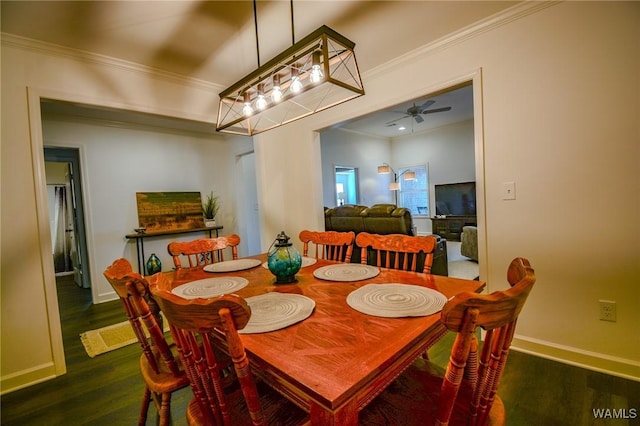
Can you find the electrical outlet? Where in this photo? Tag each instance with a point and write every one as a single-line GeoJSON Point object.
{"type": "Point", "coordinates": [508, 190]}
{"type": "Point", "coordinates": [607, 310]}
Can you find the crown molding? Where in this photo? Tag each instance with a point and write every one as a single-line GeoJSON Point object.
{"type": "Point", "coordinates": [55, 50]}
{"type": "Point", "coordinates": [179, 126]}
{"type": "Point", "coordinates": [504, 17]}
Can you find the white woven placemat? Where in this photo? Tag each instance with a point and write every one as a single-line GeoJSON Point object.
{"type": "Point", "coordinates": [210, 287]}
{"type": "Point", "coordinates": [394, 300]}
{"type": "Point", "coordinates": [346, 272]}
{"type": "Point", "coordinates": [273, 311]}
{"type": "Point", "coordinates": [232, 265]}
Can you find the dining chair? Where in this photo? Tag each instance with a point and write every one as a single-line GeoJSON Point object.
{"type": "Point", "coordinates": [466, 394]}
{"type": "Point", "coordinates": [200, 326]}
{"type": "Point", "coordinates": [397, 251]}
{"type": "Point", "coordinates": [203, 251]}
{"type": "Point", "coordinates": [330, 245]}
{"type": "Point", "coordinates": [160, 371]}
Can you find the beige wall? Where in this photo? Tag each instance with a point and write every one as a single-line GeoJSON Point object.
{"type": "Point", "coordinates": [559, 117]}
{"type": "Point", "coordinates": [31, 345]}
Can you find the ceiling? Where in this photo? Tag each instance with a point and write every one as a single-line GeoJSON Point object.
{"type": "Point", "coordinates": [215, 41]}
{"type": "Point", "coordinates": [396, 121]}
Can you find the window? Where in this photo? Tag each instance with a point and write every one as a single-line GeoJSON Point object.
{"type": "Point", "coordinates": [414, 194]}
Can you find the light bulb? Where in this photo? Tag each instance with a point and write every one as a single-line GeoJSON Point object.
{"type": "Point", "coordinates": [296, 84]}
{"type": "Point", "coordinates": [247, 110]}
{"type": "Point", "coordinates": [261, 102]}
{"type": "Point", "coordinates": [276, 92]}
{"type": "Point", "coordinates": [316, 74]}
{"type": "Point", "coordinates": [316, 71]}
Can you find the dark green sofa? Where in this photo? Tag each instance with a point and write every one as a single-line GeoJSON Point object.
{"type": "Point", "coordinates": [377, 219]}
{"type": "Point", "coordinates": [380, 219]}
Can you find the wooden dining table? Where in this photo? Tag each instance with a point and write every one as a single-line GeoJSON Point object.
{"type": "Point", "coordinates": [338, 359]}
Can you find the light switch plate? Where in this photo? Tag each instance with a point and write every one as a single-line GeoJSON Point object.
{"type": "Point", "coordinates": [508, 190]}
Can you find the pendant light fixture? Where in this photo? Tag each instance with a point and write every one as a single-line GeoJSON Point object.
{"type": "Point", "coordinates": [315, 73]}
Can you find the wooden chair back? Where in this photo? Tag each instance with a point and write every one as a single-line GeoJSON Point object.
{"type": "Point", "coordinates": [330, 245]}
{"type": "Point", "coordinates": [193, 324]}
{"type": "Point", "coordinates": [133, 288]}
{"type": "Point", "coordinates": [397, 251]}
{"type": "Point", "coordinates": [474, 379]}
{"type": "Point", "coordinates": [203, 251]}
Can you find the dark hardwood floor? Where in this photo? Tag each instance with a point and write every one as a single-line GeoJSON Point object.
{"type": "Point", "coordinates": [107, 389]}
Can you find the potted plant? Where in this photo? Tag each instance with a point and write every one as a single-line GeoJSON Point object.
{"type": "Point", "coordinates": [210, 210]}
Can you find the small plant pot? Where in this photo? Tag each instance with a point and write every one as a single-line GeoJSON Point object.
{"type": "Point", "coordinates": [209, 223]}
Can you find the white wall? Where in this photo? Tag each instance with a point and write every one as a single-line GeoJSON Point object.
{"type": "Point", "coordinates": [448, 150]}
{"type": "Point", "coordinates": [366, 153]}
{"type": "Point", "coordinates": [541, 75]}
{"type": "Point", "coordinates": [449, 153]}
{"type": "Point", "coordinates": [117, 162]}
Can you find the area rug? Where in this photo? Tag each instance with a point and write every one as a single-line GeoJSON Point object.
{"type": "Point", "coordinates": [460, 266]}
{"type": "Point", "coordinates": [467, 269]}
{"type": "Point", "coordinates": [109, 338]}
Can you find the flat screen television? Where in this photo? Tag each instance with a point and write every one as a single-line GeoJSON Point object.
{"type": "Point", "coordinates": [456, 199]}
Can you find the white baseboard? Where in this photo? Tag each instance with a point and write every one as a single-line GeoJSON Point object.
{"type": "Point", "coordinates": [615, 366]}
{"type": "Point", "coordinates": [26, 378]}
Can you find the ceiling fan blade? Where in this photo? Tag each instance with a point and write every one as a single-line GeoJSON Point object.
{"type": "Point", "coordinates": [397, 119]}
{"type": "Point", "coordinates": [436, 110]}
{"type": "Point", "coordinates": [427, 104]}
{"type": "Point", "coordinates": [418, 119]}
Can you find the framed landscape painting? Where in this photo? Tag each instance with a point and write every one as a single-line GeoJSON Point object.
{"type": "Point", "coordinates": [169, 211]}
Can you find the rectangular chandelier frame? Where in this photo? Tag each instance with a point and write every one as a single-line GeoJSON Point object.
{"type": "Point", "coordinates": [318, 72]}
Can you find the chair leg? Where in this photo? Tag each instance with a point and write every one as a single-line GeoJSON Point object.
{"type": "Point", "coordinates": [145, 407]}
{"type": "Point", "coordinates": [165, 409]}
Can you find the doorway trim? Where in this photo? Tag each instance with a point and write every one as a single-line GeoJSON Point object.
{"type": "Point", "coordinates": [44, 233]}
{"type": "Point", "coordinates": [34, 98]}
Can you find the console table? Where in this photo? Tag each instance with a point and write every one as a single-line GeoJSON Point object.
{"type": "Point", "coordinates": [450, 227]}
{"type": "Point", "coordinates": [140, 237]}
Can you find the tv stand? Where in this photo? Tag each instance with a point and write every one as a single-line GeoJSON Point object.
{"type": "Point", "coordinates": [450, 227]}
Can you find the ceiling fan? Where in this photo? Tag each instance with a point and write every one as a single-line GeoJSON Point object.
{"type": "Point", "coordinates": [416, 110]}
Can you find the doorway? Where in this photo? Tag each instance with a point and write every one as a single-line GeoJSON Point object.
{"type": "Point", "coordinates": [346, 185]}
{"type": "Point", "coordinates": [442, 129]}
{"type": "Point", "coordinates": [67, 214]}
